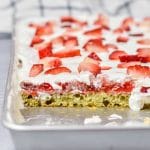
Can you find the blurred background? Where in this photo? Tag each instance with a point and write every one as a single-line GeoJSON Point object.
{"type": "Point", "coordinates": [11, 11]}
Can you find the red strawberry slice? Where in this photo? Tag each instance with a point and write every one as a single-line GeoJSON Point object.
{"type": "Point", "coordinates": [136, 34]}
{"type": "Point", "coordinates": [96, 33]}
{"type": "Point", "coordinates": [67, 53]}
{"type": "Point", "coordinates": [91, 67]}
{"type": "Point", "coordinates": [110, 46]}
{"type": "Point", "coordinates": [45, 51]}
{"type": "Point", "coordinates": [71, 19]}
{"type": "Point", "coordinates": [36, 40]}
{"type": "Point", "coordinates": [46, 29]}
{"type": "Point", "coordinates": [122, 39]}
{"type": "Point", "coordinates": [129, 58]}
{"type": "Point", "coordinates": [51, 62]}
{"type": "Point", "coordinates": [95, 45]}
{"type": "Point", "coordinates": [90, 60]}
{"type": "Point", "coordinates": [127, 22]}
{"type": "Point", "coordinates": [102, 21]}
{"type": "Point", "coordinates": [116, 54]}
{"type": "Point", "coordinates": [70, 41]}
{"type": "Point", "coordinates": [144, 41]}
{"type": "Point", "coordinates": [145, 89]}
{"type": "Point", "coordinates": [94, 56]}
{"type": "Point", "coordinates": [127, 64]}
{"type": "Point", "coordinates": [58, 41]}
{"type": "Point", "coordinates": [138, 71]}
{"type": "Point", "coordinates": [57, 70]}
{"type": "Point", "coordinates": [35, 70]}
{"type": "Point", "coordinates": [118, 30]}
{"type": "Point", "coordinates": [45, 87]}
{"type": "Point", "coordinates": [105, 67]}
{"type": "Point", "coordinates": [144, 52]}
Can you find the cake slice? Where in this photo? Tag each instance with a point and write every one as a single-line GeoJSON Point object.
{"type": "Point", "coordinates": [90, 62]}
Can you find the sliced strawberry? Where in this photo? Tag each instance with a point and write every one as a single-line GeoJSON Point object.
{"type": "Point", "coordinates": [144, 52]}
{"type": "Point", "coordinates": [138, 71]}
{"type": "Point", "coordinates": [67, 53]}
{"type": "Point", "coordinates": [144, 41]}
{"type": "Point", "coordinates": [46, 29]}
{"type": "Point", "coordinates": [102, 21]}
{"type": "Point", "coordinates": [57, 70]}
{"type": "Point", "coordinates": [105, 67]}
{"type": "Point", "coordinates": [58, 41]}
{"type": "Point", "coordinates": [45, 51]}
{"type": "Point", "coordinates": [127, 22]}
{"type": "Point", "coordinates": [45, 87]}
{"type": "Point", "coordinates": [91, 67]}
{"type": "Point", "coordinates": [70, 41]}
{"type": "Point", "coordinates": [127, 64]}
{"type": "Point", "coordinates": [51, 62]}
{"type": "Point", "coordinates": [94, 45]}
{"type": "Point", "coordinates": [90, 60]}
{"type": "Point", "coordinates": [110, 46]}
{"type": "Point", "coordinates": [129, 58]}
{"type": "Point", "coordinates": [136, 34]}
{"type": "Point", "coordinates": [36, 40]}
{"type": "Point", "coordinates": [35, 70]}
{"type": "Point", "coordinates": [122, 39]}
{"type": "Point", "coordinates": [33, 25]}
{"type": "Point", "coordinates": [94, 56]}
{"type": "Point", "coordinates": [145, 89]}
{"type": "Point", "coordinates": [96, 33]}
{"type": "Point", "coordinates": [118, 30]}
{"type": "Point", "coordinates": [116, 54]}
{"type": "Point", "coordinates": [71, 19]}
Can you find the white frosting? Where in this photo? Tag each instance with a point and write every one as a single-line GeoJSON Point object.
{"type": "Point", "coordinates": [138, 99]}
{"type": "Point", "coordinates": [92, 120]}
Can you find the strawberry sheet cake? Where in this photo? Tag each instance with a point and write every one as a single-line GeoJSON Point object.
{"type": "Point", "coordinates": [84, 62]}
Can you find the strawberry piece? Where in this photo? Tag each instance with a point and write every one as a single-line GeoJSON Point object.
{"type": "Point", "coordinates": [70, 41]}
{"type": "Point", "coordinates": [33, 25]}
{"type": "Point", "coordinates": [122, 39]}
{"type": "Point", "coordinates": [144, 41]}
{"type": "Point", "coordinates": [36, 40]}
{"type": "Point", "coordinates": [58, 41]}
{"type": "Point", "coordinates": [116, 54]}
{"type": "Point", "coordinates": [136, 34]}
{"type": "Point", "coordinates": [67, 53]}
{"type": "Point", "coordinates": [45, 87]}
{"type": "Point", "coordinates": [45, 51]}
{"type": "Point", "coordinates": [96, 33]}
{"type": "Point", "coordinates": [35, 70]}
{"type": "Point", "coordinates": [46, 29]}
{"type": "Point", "coordinates": [144, 52]}
{"type": "Point", "coordinates": [127, 64]}
{"type": "Point", "coordinates": [90, 60]}
{"type": "Point", "coordinates": [126, 23]}
{"type": "Point", "coordinates": [94, 56]}
{"type": "Point", "coordinates": [129, 58]}
{"type": "Point", "coordinates": [138, 71]}
{"type": "Point", "coordinates": [51, 62]}
{"type": "Point", "coordinates": [145, 89]}
{"type": "Point", "coordinates": [94, 45]}
{"type": "Point", "coordinates": [118, 30]}
{"type": "Point", "coordinates": [91, 67]}
{"type": "Point", "coordinates": [110, 46]}
{"type": "Point", "coordinates": [102, 21]}
{"type": "Point", "coordinates": [105, 67]}
{"type": "Point", "coordinates": [57, 70]}
{"type": "Point", "coordinates": [71, 19]}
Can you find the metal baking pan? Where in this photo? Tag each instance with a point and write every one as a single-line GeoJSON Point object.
{"type": "Point", "coordinates": [68, 128]}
